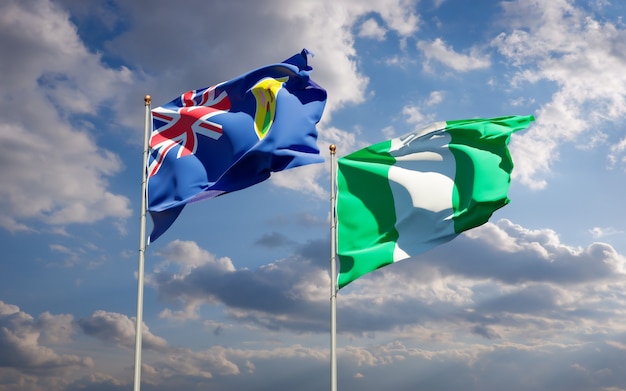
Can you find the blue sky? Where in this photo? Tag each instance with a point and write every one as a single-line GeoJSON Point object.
{"type": "Point", "coordinates": [236, 292]}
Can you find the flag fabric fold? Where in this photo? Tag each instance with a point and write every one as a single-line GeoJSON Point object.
{"type": "Point", "coordinates": [230, 136]}
{"type": "Point", "coordinates": [402, 197]}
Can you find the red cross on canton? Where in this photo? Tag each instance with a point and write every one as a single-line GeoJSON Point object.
{"type": "Point", "coordinates": [183, 125]}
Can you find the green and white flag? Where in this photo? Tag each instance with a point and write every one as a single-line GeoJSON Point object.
{"type": "Point", "coordinates": [404, 196]}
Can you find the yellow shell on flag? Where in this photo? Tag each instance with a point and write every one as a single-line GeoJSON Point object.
{"type": "Point", "coordinates": [265, 92]}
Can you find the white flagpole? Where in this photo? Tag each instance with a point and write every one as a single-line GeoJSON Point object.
{"type": "Point", "coordinates": [333, 271]}
{"type": "Point", "coordinates": [142, 245]}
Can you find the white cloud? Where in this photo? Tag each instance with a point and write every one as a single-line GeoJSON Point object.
{"type": "Point", "coordinates": [188, 256]}
{"type": "Point", "coordinates": [371, 29]}
{"type": "Point", "coordinates": [56, 329]}
{"type": "Point", "coordinates": [24, 352]}
{"type": "Point", "coordinates": [270, 291]}
{"type": "Point", "coordinates": [304, 179]}
{"type": "Point", "coordinates": [435, 98]}
{"type": "Point", "coordinates": [120, 330]}
{"type": "Point", "coordinates": [164, 363]}
{"type": "Point", "coordinates": [413, 114]}
{"type": "Point", "coordinates": [338, 70]}
{"type": "Point", "coordinates": [438, 50]}
{"type": "Point", "coordinates": [328, 35]}
{"type": "Point", "coordinates": [484, 270]}
{"type": "Point", "coordinates": [58, 173]}
{"type": "Point", "coordinates": [168, 361]}
{"type": "Point", "coordinates": [602, 232]}
{"type": "Point", "coordinates": [617, 155]}
{"type": "Point", "coordinates": [584, 58]}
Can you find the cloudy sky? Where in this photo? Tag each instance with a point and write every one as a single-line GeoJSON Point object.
{"type": "Point", "coordinates": [237, 291]}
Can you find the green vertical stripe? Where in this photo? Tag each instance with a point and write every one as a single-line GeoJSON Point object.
{"type": "Point", "coordinates": [366, 212]}
{"type": "Point", "coordinates": [484, 167]}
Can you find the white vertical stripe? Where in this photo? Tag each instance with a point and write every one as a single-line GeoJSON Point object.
{"type": "Point", "coordinates": [422, 181]}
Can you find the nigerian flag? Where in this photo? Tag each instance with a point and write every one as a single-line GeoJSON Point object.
{"type": "Point", "coordinates": [404, 196]}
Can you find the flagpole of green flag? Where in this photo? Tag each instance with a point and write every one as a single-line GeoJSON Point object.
{"type": "Point", "coordinates": [333, 269]}
{"type": "Point", "coordinates": [142, 245]}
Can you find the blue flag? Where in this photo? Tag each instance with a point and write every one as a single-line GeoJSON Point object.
{"type": "Point", "coordinates": [233, 135]}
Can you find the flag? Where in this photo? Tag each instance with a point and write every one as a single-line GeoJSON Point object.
{"type": "Point", "coordinates": [404, 196]}
{"type": "Point", "coordinates": [230, 136]}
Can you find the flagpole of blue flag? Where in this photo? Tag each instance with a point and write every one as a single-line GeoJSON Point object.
{"type": "Point", "coordinates": [142, 244]}
{"type": "Point", "coordinates": [333, 269]}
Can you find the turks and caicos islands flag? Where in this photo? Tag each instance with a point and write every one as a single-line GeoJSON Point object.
{"type": "Point", "coordinates": [230, 136]}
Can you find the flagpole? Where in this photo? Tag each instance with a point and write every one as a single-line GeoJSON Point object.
{"type": "Point", "coordinates": [142, 246]}
{"type": "Point", "coordinates": [333, 271]}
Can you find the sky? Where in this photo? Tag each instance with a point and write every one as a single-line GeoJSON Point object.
{"type": "Point", "coordinates": [237, 290]}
